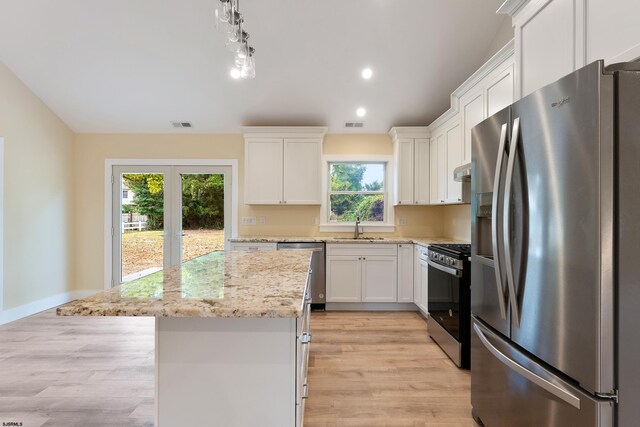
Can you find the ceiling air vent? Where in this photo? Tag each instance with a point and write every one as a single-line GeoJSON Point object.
{"type": "Point", "coordinates": [181, 124]}
{"type": "Point", "coordinates": [353, 125]}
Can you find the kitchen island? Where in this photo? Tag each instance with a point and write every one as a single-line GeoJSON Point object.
{"type": "Point", "coordinates": [232, 335]}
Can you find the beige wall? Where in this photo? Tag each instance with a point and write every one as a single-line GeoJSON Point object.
{"type": "Point", "coordinates": [38, 199]}
{"type": "Point", "coordinates": [457, 222]}
{"type": "Point", "coordinates": [92, 150]}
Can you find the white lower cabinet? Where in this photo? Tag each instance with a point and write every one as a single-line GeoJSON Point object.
{"type": "Point", "coordinates": [405, 273]}
{"type": "Point", "coordinates": [344, 277]}
{"type": "Point", "coordinates": [362, 273]}
{"type": "Point", "coordinates": [420, 279]}
{"type": "Point", "coordinates": [379, 279]}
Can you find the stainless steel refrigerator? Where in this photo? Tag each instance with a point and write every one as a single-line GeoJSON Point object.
{"type": "Point", "coordinates": [555, 285]}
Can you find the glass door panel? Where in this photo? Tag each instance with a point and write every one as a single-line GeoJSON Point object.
{"type": "Point", "coordinates": [140, 221]}
{"type": "Point", "coordinates": [202, 214]}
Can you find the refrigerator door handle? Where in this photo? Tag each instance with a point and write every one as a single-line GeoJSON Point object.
{"type": "Point", "coordinates": [506, 221]}
{"type": "Point", "coordinates": [494, 222]}
{"type": "Point", "coordinates": [557, 391]}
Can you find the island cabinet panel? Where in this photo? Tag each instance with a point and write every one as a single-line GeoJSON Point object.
{"type": "Point", "coordinates": [232, 372]}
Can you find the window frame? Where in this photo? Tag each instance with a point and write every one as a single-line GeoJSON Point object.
{"type": "Point", "coordinates": [367, 227]}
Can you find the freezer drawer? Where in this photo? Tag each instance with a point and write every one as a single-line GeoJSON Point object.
{"type": "Point", "coordinates": [510, 389]}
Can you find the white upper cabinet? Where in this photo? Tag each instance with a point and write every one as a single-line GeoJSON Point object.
{"type": "Point", "coordinates": [421, 171]}
{"type": "Point", "coordinates": [282, 165]}
{"type": "Point", "coordinates": [472, 113]}
{"type": "Point", "coordinates": [411, 170]}
{"type": "Point", "coordinates": [441, 170]}
{"type": "Point", "coordinates": [302, 158]}
{"type": "Point", "coordinates": [498, 92]}
{"type": "Point", "coordinates": [453, 134]}
{"type": "Point", "coordinates": [263, 171]}
{"type": "Point", "coordinates": [612, 32]}
{"type": "Point", "coordinates": [433, 171]}
{"type": "Point", "coordinates": [556, 37]}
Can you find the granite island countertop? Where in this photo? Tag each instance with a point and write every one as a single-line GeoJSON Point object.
{"type": "Point", "coordinates": [218, 284]}
{"type": "Point", "coordinates": [424, 241]}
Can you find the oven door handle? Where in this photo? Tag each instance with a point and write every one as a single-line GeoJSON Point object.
{"type": "Point", "coordinates": [450, 270]}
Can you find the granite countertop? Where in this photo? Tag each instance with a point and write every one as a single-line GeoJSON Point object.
{"type": "Point", "coordinates": [218, 284]}
{"type": "Point", "coordinates": [424, 241]}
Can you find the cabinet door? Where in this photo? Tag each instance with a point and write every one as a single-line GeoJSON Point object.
{"type": "Point", "coordinates": [547, 44]}
{"type": "Point", "coordinates": [499, 91]}
{"type": "Point", "coordinates": [472, 114]}
{"type": "Point", "coordinates": [403, 154]}
{"type": "Point", "coordinates": [454, 159]}
{"type": "Point", "coordinates": [263, 171]}
{"type": "Point", "coordinates": [421, 184]}
{"type": "Point", "coordinates": [405, 273]}
{"type": "Point", "coordinates": [442, 168]}
{"type": "Point", "coordinates": [417, 282]}
{"type": "Point", "coordinates": [379, 279]}
{"type": "Point", "coordinates": [613, 33]}
{"type": "Point", "coordinates": [433, 171]}
{"type": "Point", "coordinates": [302, 171]}
{"type": "Point", "coordinates": [424, 287]}
{"type": "Point", "coordinates": [344, 279]}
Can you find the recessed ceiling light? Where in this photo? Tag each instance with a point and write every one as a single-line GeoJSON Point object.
{"type": "Point", "coordinates": [234, 73]}
{"type": "Point", "coordinates": [367, 73]}
{"type": "Point", "coordinates": [361, 112]}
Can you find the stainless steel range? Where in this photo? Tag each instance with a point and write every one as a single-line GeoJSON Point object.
{"type": "Point", "coordinates": [449, 300]}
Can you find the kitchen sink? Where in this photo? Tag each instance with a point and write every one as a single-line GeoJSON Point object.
{"type": "Point", "coordinates": [359, 238]}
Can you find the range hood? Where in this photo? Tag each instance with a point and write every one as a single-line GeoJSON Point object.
{"type": "Point", "coordinates": [462, 173]}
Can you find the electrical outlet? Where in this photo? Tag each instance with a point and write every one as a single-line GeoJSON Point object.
{"type": "Point", "coordinates": [262, 220]}
{"type": "Point", "coordinates": [402, 220]}
{"type": "Point", "coordinates": [248, 220]}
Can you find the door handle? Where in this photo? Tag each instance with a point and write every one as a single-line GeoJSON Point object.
{"type": "Point", "coordinates": [557, 391]}
{"type": "Point", "coordinates": [494, 222]}
{"type": "Point", "coordinates": [449, 270]}
{"type": "Point", "coordinates": [506, 221]}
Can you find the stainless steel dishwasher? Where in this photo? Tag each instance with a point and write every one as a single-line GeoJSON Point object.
{"type": "Point", "coordinates": [318, 284]}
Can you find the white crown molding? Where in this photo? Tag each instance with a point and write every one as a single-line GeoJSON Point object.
{"type": "Point", "coordinates": [288, 131]}
{"type": "Point", "coordinates": [397, 132]}
{"type": "Point", "coordinates": [511, 7]}
{"type": "Point", "coordinates": [494, 62]}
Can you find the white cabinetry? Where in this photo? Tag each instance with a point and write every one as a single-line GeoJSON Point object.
{"type": "Point", "coordinates": [472, 113]}
{"type": "Point", "coordinates": [446, 145]}
{"type": "Point", "coordinates": [344, 278]}
{"type": "Point", "coordinates": [362, 273]}
{"type": "Point", "coordinates": [282, 166]}
{"type": "Point", "coordinates": [405, 273]}
{"type": "Point", "coordinates": [453, 135]}
{"type": "Point", "coordinates": [420, 279]}
{"type": "Point", "coordinates": [555, 37]}
{"type": "Point", "coordinates": [411, 171]}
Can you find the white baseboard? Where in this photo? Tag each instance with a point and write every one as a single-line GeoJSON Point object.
{"type": "Point", "coordinates": [25, 310]}
{"type": "Point", "coordinates": [370, 306]}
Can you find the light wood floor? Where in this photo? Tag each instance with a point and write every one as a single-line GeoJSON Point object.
{"type": "Point", "coordinates": [381, 369]}
{"type": "Point", "coordinates": [366, 369]}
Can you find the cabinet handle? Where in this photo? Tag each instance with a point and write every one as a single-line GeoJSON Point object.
{"type": "Point", "coordinates": [459, 200]}
{"type": "Point", "coordinates": [399, 202]}
{"type": "Point", "coordinates": [441, 201]}
{"type": "Point", "coordinates": [416, 203]}
{"type": "Point", "coordinates": [305, 391]}
{"type": "Point", "coordinates": [306, 338]}
{"type": "Point", "coordinates": [364, 258]}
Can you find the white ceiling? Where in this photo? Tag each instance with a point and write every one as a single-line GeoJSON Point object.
{"type": "Point", "coordinates": [135, 66]}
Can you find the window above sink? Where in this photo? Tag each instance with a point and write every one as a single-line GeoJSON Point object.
{"type": "Point", "coordinates": [357, 186]}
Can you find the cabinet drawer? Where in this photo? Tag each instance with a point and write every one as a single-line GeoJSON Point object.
{"type": "Point", "coordinates": [359, 249]}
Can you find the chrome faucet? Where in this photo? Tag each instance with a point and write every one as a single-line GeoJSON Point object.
{"type": "Point", "coordinates": [357, 233]}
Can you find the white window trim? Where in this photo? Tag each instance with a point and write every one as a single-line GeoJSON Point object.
{"type": "Point", "coordinates": [108, 197]}
{"type": "Point", "coordinates": [367, 227]}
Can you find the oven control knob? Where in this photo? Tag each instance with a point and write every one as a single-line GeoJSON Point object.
{"type": "Point", "coordinates": [441, 258]}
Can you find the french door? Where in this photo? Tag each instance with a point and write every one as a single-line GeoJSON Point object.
{"type": "Point", "coordinates": [166, 215]}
